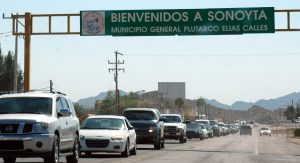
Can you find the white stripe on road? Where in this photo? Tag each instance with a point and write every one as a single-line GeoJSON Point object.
{"type": "Point", "coordinates": [256, 146]}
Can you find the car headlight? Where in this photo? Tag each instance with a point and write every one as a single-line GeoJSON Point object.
{"type": "Point", "coordinates": [114, 138]}
{"type": "Point", "coordinates": [42, 127]}
{"type": "Point", "coordinates": [152, 129]}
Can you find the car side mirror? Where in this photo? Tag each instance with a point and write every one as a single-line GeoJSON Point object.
{"type": "Point", "coordinates": [130, 128]}
{"type": "Point", "coordinates": [64, 112]}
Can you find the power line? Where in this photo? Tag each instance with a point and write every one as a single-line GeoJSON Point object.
{"type": "Point", "coordinates": [214, 55]}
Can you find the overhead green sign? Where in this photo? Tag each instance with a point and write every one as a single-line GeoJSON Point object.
{"type": "Point", "coordinates": [216, 21]}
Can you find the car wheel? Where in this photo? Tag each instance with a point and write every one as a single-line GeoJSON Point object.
{"type": "Point", "coordinates": [54, 156]}
{"type": "Point", "coordinates": [75, 156]}
{"type": "Point", "coordinates": [126, 152]}
{"type": "Point", "coordinates": [181, 139]}
{"type": "Point", "coordinates": [9, 159]}
{"type": "Point", "coordinates": [157, 143]}
{"type": "Point", "coordinates": [202, 137]}
{"type": "Point", "coordinates": [162, 144]}
{"type": "Point", "coordinates": [133, 151]}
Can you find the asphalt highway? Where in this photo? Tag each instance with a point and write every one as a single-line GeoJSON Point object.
{"type": "Point", "coordinates": [226, 149]}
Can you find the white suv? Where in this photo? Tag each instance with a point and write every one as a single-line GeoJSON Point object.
{"type": "Point", "coordinates": [37, 124]}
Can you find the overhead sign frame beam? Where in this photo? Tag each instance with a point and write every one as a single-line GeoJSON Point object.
{"type": "Point", "coordinates": [28, 17]}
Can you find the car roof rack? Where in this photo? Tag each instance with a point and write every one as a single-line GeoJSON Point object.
{"type": "Point", "coordinates": [9, 92]}
{"type": "Point", "coordinates": [47, 91]}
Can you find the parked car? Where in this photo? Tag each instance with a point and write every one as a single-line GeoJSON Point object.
{"type": "Point", "coordinates": [216, 128]}
{"type": "Point", "coordinates": [174, 127]}
{"type": "Point", "coordinates": [148, 124]}
{"type": "Point", "coordinates": [105, 133]}
{"type": "Point", "coordinates": [210, 130]}
{"type": "Point", "coordinates": [38, 124]}
{"type": "Point", "coordinates": [208, 127]}
{"type": "Point", "coordinates": [205, 132]}
{"type": "Point", "coordinates": [194, 130]}
{"type": "Point", "coordinates": [224, 130]}
{"type": "Point", "coordinates": [265, 131]}
{"type": "Point", "coordinates": [245, 130]}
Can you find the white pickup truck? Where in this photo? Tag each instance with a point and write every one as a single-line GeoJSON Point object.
{"type": "Point", "coordinates": [174, 127]}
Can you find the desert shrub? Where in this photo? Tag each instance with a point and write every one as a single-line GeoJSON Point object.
{"type": "Point", "coordinates": [297, 132]}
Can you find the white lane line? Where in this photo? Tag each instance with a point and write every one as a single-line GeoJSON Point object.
{"type": "Point", "coordinates": [256, 147]}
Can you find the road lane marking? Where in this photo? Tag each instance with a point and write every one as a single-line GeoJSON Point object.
{"type": "Point", "coordinates": [256, 146]}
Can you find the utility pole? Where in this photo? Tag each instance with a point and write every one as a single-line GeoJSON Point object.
{"type": "Point", "coordinates": [51, 86]}
{"type": "Point", "coordinates": [116, 70]}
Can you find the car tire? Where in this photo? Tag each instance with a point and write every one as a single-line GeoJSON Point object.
{"type": "Point", "coordinates": [181, 139]}
{"type": "Point", "coordinates": [9, 159]}
{"type": "Point", "coordinates": [126, 152]}
{"type": "Point", "coordinates": [202, 137]}
{"type": "Point", "coordinates": [54, 156]}
{"type": "Point", "coordinates": [157, 143]}
{"type": "Point", "coordinates": [133, 151]}
{"type": "Point", "coordinates": [162, 144]}
{"type": "Point", "coordinates": [75, 156]}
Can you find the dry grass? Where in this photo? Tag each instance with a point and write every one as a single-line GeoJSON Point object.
{"type": "Point", "coordinates": [287, 133]}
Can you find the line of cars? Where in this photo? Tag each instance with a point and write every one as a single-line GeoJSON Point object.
{"type": "Point", "coordinates": [121, 134]}
{"type": "Point", "coordinates": [39, 124]}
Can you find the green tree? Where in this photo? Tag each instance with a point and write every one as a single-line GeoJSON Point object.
{"type": "Point", "coordinates": [78, 109]}
{"type": "Point", "coordinates": [200, 102]}
{"type": "Point", "coordinates": [179, 104]}
{"type": "Point", "coordinates": [107, 106]}
{"type": "Point", "coordinates": [290, 113]}
{"type": "Point", "coordinates": [7, 67]}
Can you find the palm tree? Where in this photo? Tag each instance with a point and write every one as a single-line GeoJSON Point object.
{"type": "Point", "coordinates": [200, 102]}
{"type": "Point", "coordinates": [179, 104]}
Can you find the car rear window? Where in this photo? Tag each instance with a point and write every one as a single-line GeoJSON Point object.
{"type": "Point", "coordinates": [139, 115]}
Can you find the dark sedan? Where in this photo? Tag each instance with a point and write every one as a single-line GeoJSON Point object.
{"type": "Point", "coordinates": [246, 130]}
{"type": "Point", "coordinates": [194, 130]}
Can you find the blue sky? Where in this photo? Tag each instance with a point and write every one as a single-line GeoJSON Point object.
{"type": "Point", "coordinates": [226, 68]}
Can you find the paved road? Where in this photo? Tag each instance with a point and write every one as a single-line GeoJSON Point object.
{"type": "Point", "coordinates": [227, 149]}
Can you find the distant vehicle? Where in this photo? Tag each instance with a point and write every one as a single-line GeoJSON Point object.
{"type": "Point", "coordinates": [148, 124]}
{"type": "Point", "coordinates": [194, 130]}
{"type": "Point", "coordinates": [216, 128]}
{"type": "Point", "coordinates": [104, 133]}
{"type": "Point", "coordinates": [202, 121]}
{"type": "Point", "coordinates": [224, 129]}
{"type": "Point", "coordinates": [174, 127]}
{"type": "Point", "coordinates": [245, 130]}
{"type": "Point", "coordinates": [208, 127]}
{"type": "Point", "coordinates": [205, 132]}
{"type": "Point", "coordinates": [265, 131]}
{"type": "Point", "coordinates": [297, 120]}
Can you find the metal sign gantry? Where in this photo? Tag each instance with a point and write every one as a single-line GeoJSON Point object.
{"type": "Point", "coordinates": [29, 31]}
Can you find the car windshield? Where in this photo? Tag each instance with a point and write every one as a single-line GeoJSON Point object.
{"type": "Point", "coordinates": [103, 123]}
{"type": "Point", "coordinates": [140, 115]}
{"type": "Point", "coordinates": [202, 122]}
{"type": "Point", "coordinates": [32, 105]}
{"type": "Point", "coordinates": [193, 125]}
{"type": "Point", "coordinates": [245, 127]}
{"type": "Point", "coordinates": [207, 126]}
{"type": "Point", "coordinates": [213, 122]}
{"type": "Point", "coordinates": [172, 119]}
{"type": "Point", "coordinates": [264, 128]}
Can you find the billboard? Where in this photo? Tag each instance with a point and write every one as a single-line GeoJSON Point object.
{"type": "Point", "coordinates": [171, 90]}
